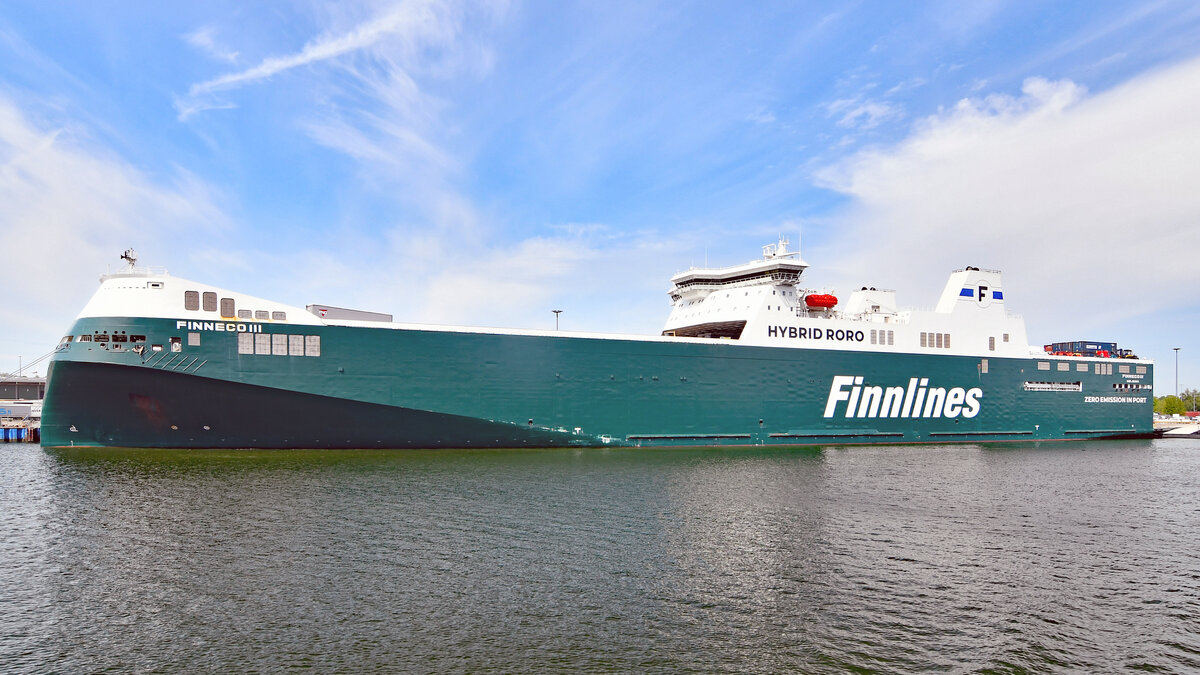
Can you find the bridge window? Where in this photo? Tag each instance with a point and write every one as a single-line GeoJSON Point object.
{"type": "Point", "coordinates": [210, 301]}
{"type": "Point", "coordinates": [245, 314]}
{"type": "Point", "coordinates": [191, 301]}
{"type": "Point", "coordinates": [85, 338]}
{"type": "Point", "coordinates": [227, 308]}
{"type": "Point", "coordinates": [261, 314]}
{"type": "Point", "coordinates": [279, 316]}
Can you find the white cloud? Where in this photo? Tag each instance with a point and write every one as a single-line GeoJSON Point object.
{"type": "Point", "coordinates": [405, 19]}
{"type": "Point", "coordinates": [907, 85]}
{"type": "Point", "coordinates": [869, 114]}
{"type": "Point", "coordinates": [1088, 203]}
{"type": "Point", "coordinates": [445, 275]}
{"type": "Point", "coordinates": [202, 39]}
{"type": "Point", "coordinates": [761, 116]}
{"type": "Point", "coordinates": [67, 203]}
{"type": "Point", "coordinates": [190, 106]}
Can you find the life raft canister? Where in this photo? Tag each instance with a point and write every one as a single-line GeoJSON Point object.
{"type": "Point", "coordinates": [820, 300]}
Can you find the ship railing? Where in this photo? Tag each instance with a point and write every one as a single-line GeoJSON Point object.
{"type": "Point", "coordinates": [139, 271]}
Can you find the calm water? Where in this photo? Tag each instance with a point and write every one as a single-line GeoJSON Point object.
{"type": "Point", "coordinates": [1051, 558]}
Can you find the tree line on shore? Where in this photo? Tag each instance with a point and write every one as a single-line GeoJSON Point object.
{"type": "Point", "coordinates": [1171, 404]}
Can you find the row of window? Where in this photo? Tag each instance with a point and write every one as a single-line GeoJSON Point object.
{"type": "Point", "coordinates": [103, 336]}
{"type": "Point", "coordinates": [278, 344]}
{"type": "Point", "coordinates": [1100, 368]}
{"type": "Point", "coordinates": [193, 300]}
{"type": "Point", "coordinates": [1131, 386]}
{"type": "Point", "coordinates": [1053, 386]}
{"type": "Point", "coordinates": [118, 341]}
{"type": "Point", "coordinates": [888, 337]}
{"type": "Point", "coordinates": [936, 340]}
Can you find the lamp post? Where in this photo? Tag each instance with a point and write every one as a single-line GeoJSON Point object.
{"type": "Point", "coordinates": [559, 311]}
{"type": "Point", "coordinates": [1177, 372]}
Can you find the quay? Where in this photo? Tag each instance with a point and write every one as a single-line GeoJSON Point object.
{"type": "Point", "coordinates": [21, 409]}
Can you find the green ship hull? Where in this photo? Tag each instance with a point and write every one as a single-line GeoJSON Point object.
{"type": "Point", "coordinates": [389, 387]}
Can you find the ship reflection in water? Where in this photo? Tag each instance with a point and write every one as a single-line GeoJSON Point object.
{"type": "Point", "coordinates": [1061, 556]}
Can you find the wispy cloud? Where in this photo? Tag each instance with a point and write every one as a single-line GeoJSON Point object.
{"type": "Point", "coordinates": [856, 113]}
{"type": "Point", "coordinates": [906, 86]}
{"type": "Point", "coordinates": [187, 107]}
{"type": "Point", "coordinates": [761, 116]}
{"type": "Point", "coordinates": [324, 48]}
{"type": "Point", "coordinates": [202, 39]}
{"type": "Point", "coordinates": [870, 114]}
{"type": "Point", "coordinates": [415, 22]}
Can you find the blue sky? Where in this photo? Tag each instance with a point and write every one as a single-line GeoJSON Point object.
{"type": "Point", "coordinates": [485, 162]}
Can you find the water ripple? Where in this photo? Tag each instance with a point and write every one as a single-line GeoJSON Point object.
{"type": "Point", "coordinates": [998, 559]}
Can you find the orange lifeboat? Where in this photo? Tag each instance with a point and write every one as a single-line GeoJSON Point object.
{"type": "Point", "coordinates": [821, 300]}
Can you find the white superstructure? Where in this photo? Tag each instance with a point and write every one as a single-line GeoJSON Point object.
{"type": "Point", "coordinates": [763, 303]}
{"type": "Point", "coordinates": [759, 303]}
{"type": "Point", "coordinates": [152, 293]}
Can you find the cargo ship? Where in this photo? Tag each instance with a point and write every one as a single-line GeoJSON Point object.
{"type": "Point", "coordinates": [748, 357]}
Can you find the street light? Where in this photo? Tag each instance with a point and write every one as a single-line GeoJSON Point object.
{"type": "Point", "coordinates": [1177, 372]}
{"type": "Point", "coordinates": [559, 311]}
